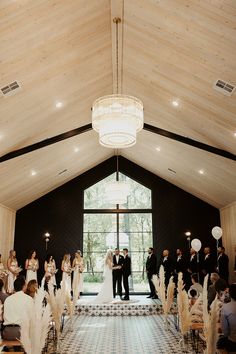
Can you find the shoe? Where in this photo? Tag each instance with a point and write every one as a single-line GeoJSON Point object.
{"type": "Point", "coordinates": [125, 298]}
{"type": "Point", "coordinates": [149, 297]}
{"type": "Point", "coordinates": [155, 297]}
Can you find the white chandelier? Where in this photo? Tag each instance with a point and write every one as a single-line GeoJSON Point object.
{"type": "Point", "coordinates": [117, 192]}
{"type": "Point", "coordinates": [117, 118]}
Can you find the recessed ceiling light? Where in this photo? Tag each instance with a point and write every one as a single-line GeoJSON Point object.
{"type": "Point", "coordinates": [76, 149]}
{"type": "Point", "coordinates": [59, 104]}
{"type": "Point", "coordinates": [175, 103]}
{"type": "Point", "coordinates": [33, 173]}
{"type": "Point", "coordinates": [235, 134]}
{"type": "Point", "coordinates": [158, 148]}
{"type": "Point", "coordinates": [201, 172]}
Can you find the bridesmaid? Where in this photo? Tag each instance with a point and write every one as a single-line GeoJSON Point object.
{"type": "Point", "coordinates": [31, 266]}
{"type": "Point", "coordinates": [3, 274]}
{"type": "Point", "coordinates": [66, 271]}
{"type": "Point", "coordinates": [78, 267]}
{"type": "Point", "coordinates": [14, 270]}
{"type": "Point", "coordinates": [50, 270]}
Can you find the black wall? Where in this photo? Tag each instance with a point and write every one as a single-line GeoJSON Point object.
{"type": "Point", "coordinates": [60, 212]}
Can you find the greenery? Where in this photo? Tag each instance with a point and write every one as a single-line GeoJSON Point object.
{"type": "Point", "coordinates": [100, 230]}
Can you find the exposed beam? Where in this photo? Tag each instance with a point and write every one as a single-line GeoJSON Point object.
{"type": "Point", "coordinates": [87, 127]}
{"type": "Point", "coordinates": [46, 142]}
{"type": "Point", "coordinates": [188, 141]}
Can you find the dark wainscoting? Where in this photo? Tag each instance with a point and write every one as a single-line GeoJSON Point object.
{"type": "Point", "coordinates": [60, 212]}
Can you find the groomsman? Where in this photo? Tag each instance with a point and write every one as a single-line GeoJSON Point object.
{"type": "Point", "coordinates": [118, 261]}
{"type": "Point", "coordinates": [208, 264]}
{"type": "Point", "coordinates": [151, 268]}
{"type": "Point", "coordinates": [168, 265]}
{"type": "Point", "coordinates": [126, 271]}
{"type": "Point", "coordinates": [192, 267]}
{"type": "Point", "coordinates": [180, 264]}
{"type": "Point", "coordinates": [223, 264]}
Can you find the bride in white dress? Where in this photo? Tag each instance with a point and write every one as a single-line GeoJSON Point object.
{"type": "Point", "coordinates": [105, 294]}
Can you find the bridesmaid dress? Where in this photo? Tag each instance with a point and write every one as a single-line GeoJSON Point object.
{"type": "Point", "coordinates": [31, 273]}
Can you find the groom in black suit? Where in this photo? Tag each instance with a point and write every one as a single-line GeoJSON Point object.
{"type": "Point", "coordinates": [126, 271]}
{"type": "Point", "coordinates": [118, 261]}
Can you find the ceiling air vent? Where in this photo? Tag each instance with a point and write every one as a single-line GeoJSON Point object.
{"type": "Point", "coordinates": [172, 171]}
{"type": "Point", "coordinates": [61, 173]}
{"type": "Point", "coordinates": [10, 89]}
{"type": "Point", "coordinates": [224, 87]}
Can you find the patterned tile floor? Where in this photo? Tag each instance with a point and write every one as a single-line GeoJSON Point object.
{"type": "Point", "coordinates": [120, 335]}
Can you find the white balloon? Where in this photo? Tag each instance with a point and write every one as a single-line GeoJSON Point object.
{"type": "Point", "coordinates": [196, 244]}
{"type": "Point", "coordinates": [217, 232]}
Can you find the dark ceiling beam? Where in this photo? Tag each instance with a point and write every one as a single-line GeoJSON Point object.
{"type": "Point", "coordinates": [46, 142]}
{"type": "Point", "coordinates": [191, 142]}
{"type": "Point", "coordinates": [88, 127]}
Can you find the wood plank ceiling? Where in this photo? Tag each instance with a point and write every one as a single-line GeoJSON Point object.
{"type": "Point", "coordinates": [61, 51]}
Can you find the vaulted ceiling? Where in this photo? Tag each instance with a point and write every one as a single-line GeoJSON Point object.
{"type": "Point", "coordinates": [63, 51]}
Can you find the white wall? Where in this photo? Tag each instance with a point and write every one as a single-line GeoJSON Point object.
{"type": "Point", "coordinates": [7, 231]}
{"type": "Point", "coordinates": [228, 223]}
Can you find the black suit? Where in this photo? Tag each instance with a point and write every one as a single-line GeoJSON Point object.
{"type": "Point", "coordinates": [168, 265]}
{"type": "Point", "coordinates": [126, 270]}
{"type": "Point", "coordinates": [192, 267]}
{"type": "Point", "coordinates": [151, 268]}
{"type": "Point", "coordinates": [223, 266]}
{"type": "Point", "coordinates": [117, 275]}
{"type": "Point", "coordinates": [208, 264]}
{"type": "Point", "coordinates": [181, 266]}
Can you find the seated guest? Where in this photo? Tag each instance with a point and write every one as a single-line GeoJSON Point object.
{"type": "Point", "coordinates": [32, 288]}
{"type": "Point", "coordinates": [3, 295]}
{"type": "Point", "coordinates": [211, 293]}
{"type": "Point", "coordinates": [16, 307]}
{"type": "Point", "coordinates": [193, 296]}
{"type": "Point", "coordinates": [195, 285]}
{"type": "Point", "coordinates": [227, 342]}
{"type": "Point", "coordinates": [222, 290]}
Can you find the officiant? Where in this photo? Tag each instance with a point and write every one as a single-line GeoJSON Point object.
{"type": "Point", "coordinates": [118, 261]}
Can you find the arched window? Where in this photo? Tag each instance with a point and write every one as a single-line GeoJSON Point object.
{"type": "Point", "coordinates": [109, 226]}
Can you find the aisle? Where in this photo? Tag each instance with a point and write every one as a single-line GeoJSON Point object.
{"type": "Point", "coordinates": [120, 335]}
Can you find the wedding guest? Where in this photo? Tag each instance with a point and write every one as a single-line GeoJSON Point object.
{"type": "Point", "coordinates": [118, 261]}
{"type": "Point", "coordinates": [222, 290]}
{"type": "Point", "coordinates": [151, 269]}
{"type": "Point", "coordinates": [208, 263]}
{"type": "Point", "coordinates": [126, 272]}
{"type": "Point", "coordinates": [32, 288]}
{"type": "Point", "coordinates": [3, 295]}
{"type": "Point", "coordinates": [211, 292]}
{"type": "Point", "coordinates": [17, 307]}
{"type": "Point", "coordinates": [168, 265]}
{"type": "Point", "coordinates": [195, 284]}
{"type": "Point", "coordinates": [193, 296]}
{"type": "Point", "coordinates": [78, 267]}
{"type": "Point", "coordinates": [223, 264]}
{"type": "Point", "coordinates": [31, 266]}
{"type": "Point", "coordinates": [227, 342]}
{"type": "Point", "coordinates": [14, 270]}
{"type": "Point", "coordinates": [50, 271]}
{"type": "Point", "coordinates": [66, 271]}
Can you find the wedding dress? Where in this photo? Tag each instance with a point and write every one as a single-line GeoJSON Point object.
{"type": "Point", "coordinates": [105, 294]}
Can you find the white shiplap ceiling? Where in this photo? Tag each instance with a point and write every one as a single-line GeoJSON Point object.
{"type": "Point", "coordinates": [62, 51]}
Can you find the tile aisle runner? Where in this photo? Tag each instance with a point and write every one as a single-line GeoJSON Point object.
{"type": "Point", "coordinates": [120, 335]}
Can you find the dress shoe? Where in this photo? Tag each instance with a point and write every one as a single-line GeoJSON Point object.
{"type": "Point", "coordinates": [125, 298]}
{"type": "Point", "coordinates": [155, 297]}
{"type": "Point", "coordinates": [149, 297]}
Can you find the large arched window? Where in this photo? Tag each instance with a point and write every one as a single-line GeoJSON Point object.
{"type": "Point", "coordinates": [109, 226]}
